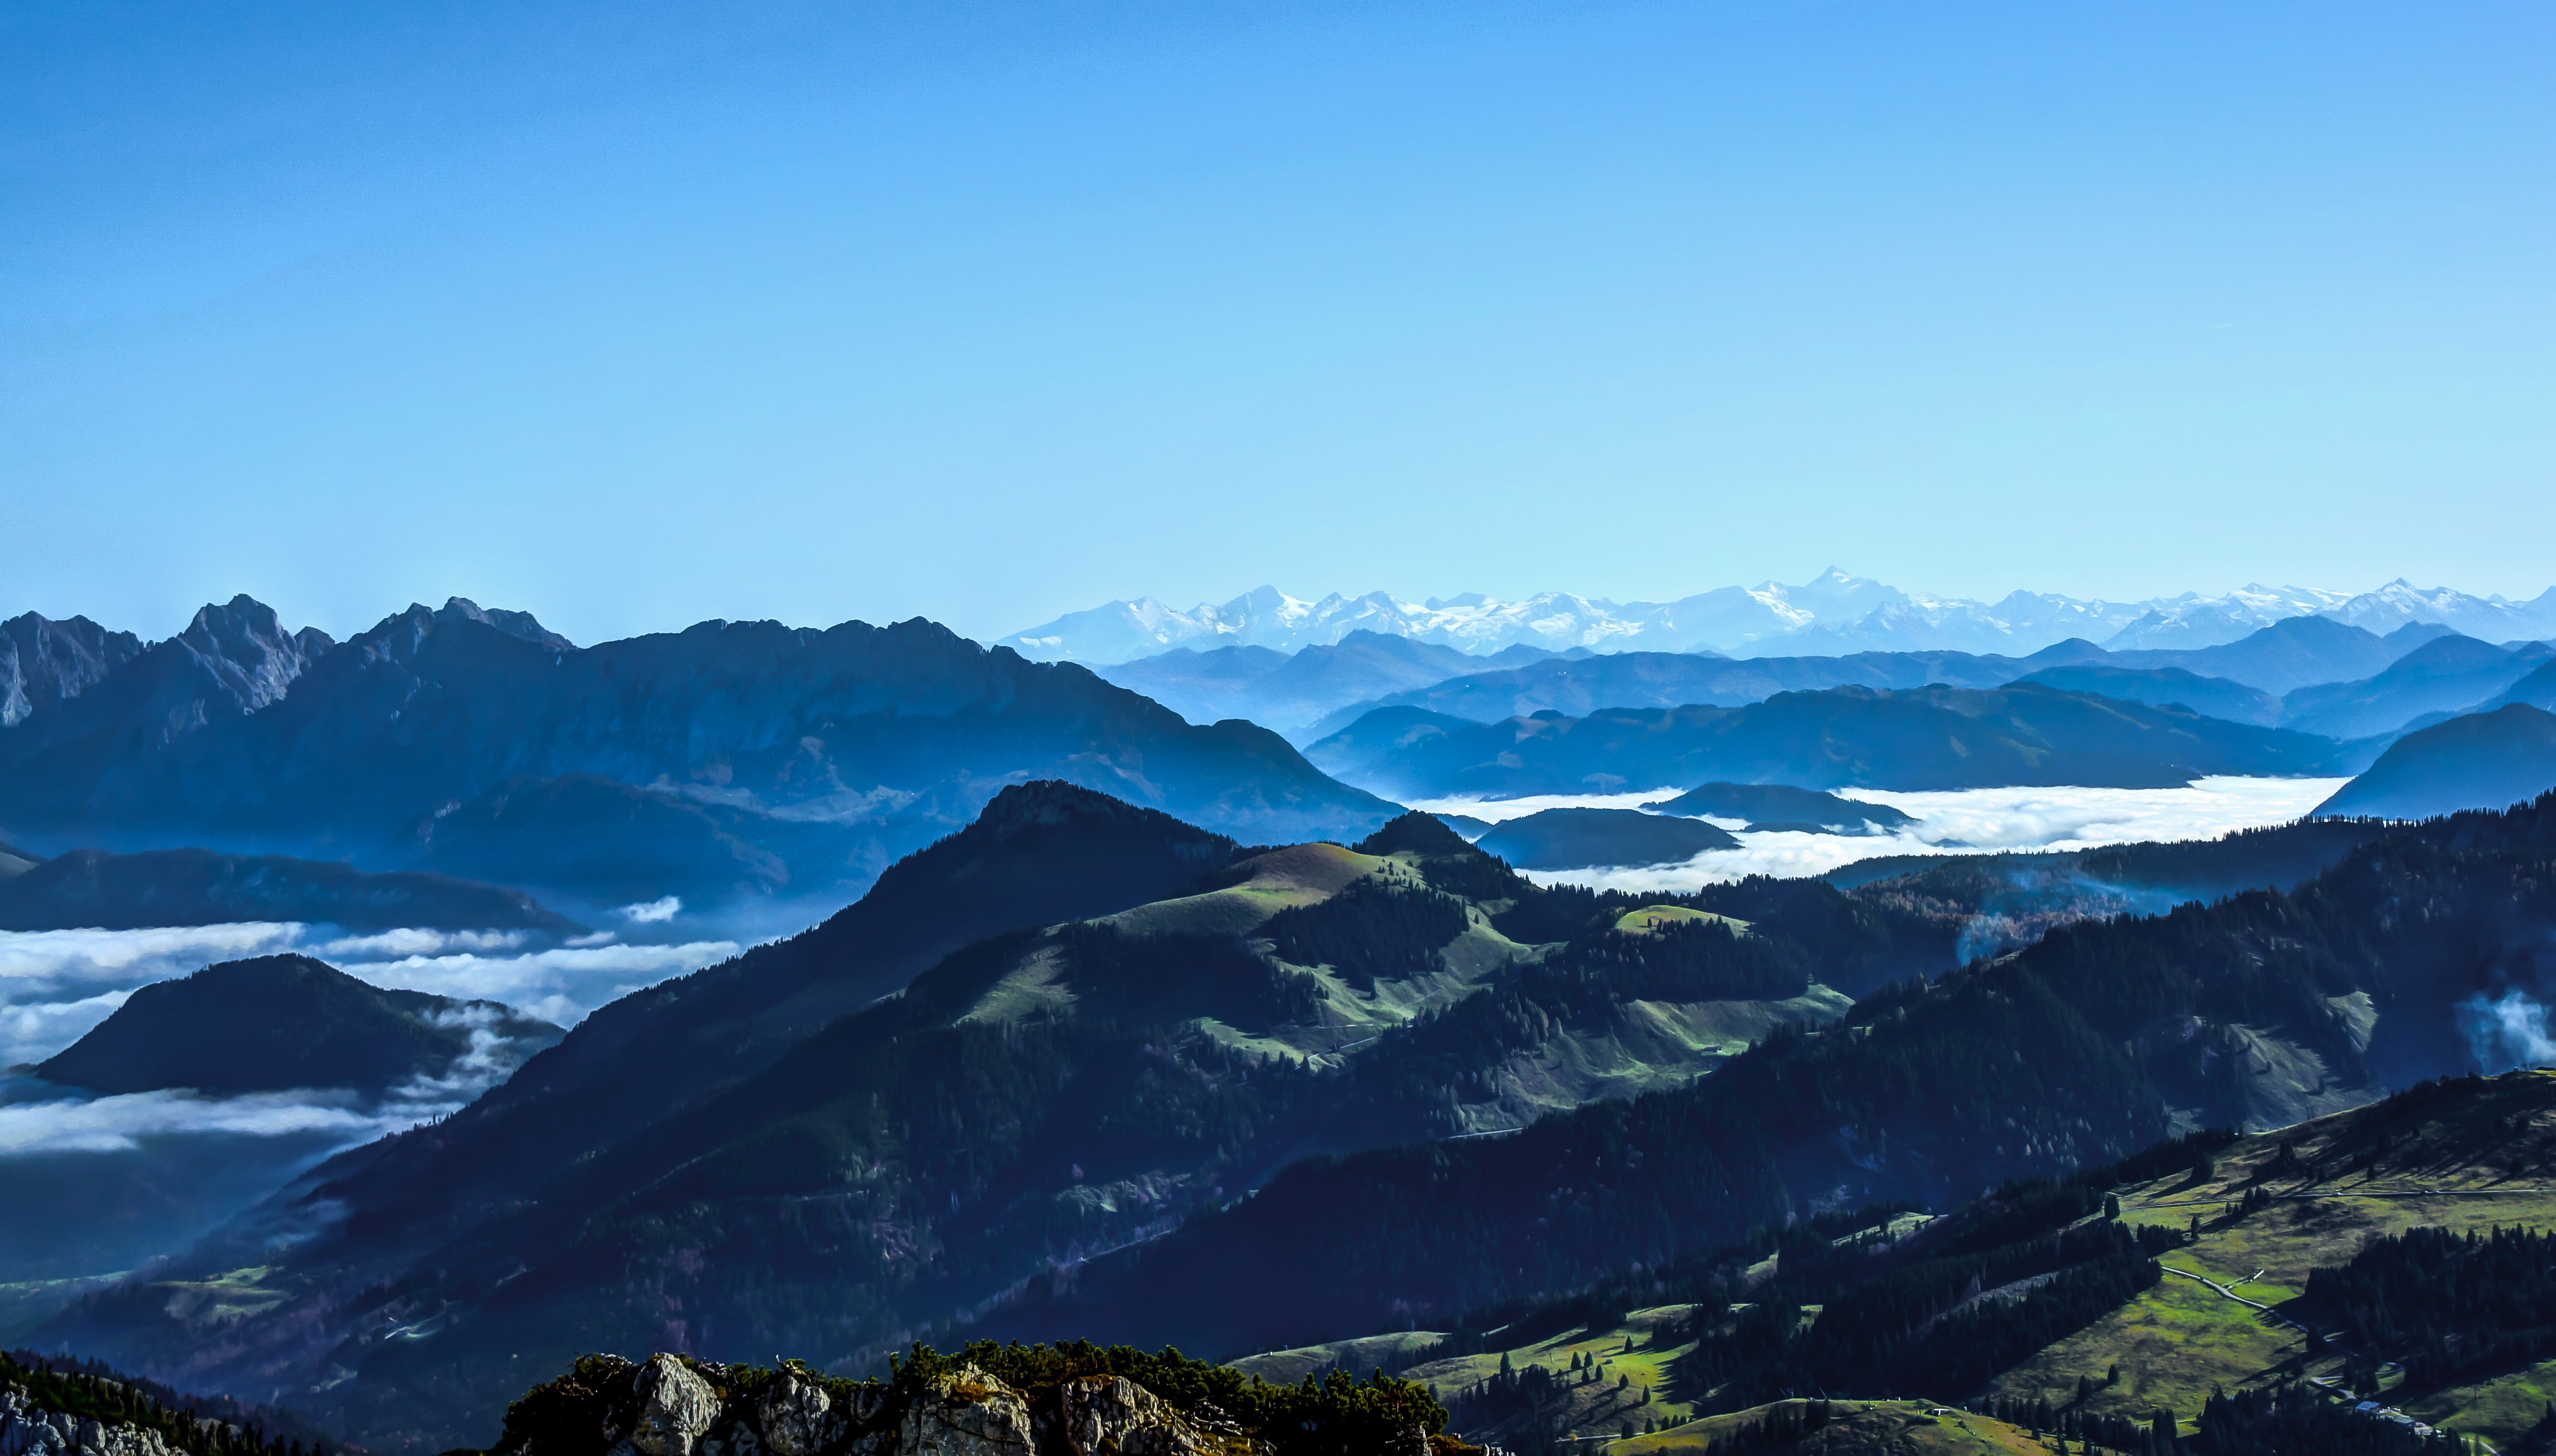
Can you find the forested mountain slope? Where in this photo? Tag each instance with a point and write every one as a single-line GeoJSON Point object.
{"type": "Point", "coordinates": [1120, 1020]}
{"type": "Point", "coordinates": [2256, 1010]}
{"type": "Point", "coordinates": [1121, 1025]}
{"type": "Point", "coordinates": [287, 1020]}
{"type": "Point", "coordinates": [2480, 761]}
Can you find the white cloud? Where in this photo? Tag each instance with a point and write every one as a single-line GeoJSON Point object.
{"type": "Point", "coordinates": [1966, 821]}
{"type": "Point", "coordinates": [561, 984]}
{"type": "Point", "coordinates": [1501, 810]}
{"type": "Point", "coordinates": [415, 942]}
{"type": "Point", "coordinates": [55, 985]}
{"type": "Point", "coordinates": [654, 912]}
{"type": "Point", "coordinates": [37, 1029]}
{"type": "Point", "coordinates": [128, 958]}
{"type": "Point", "coordinates": [117, 1124]}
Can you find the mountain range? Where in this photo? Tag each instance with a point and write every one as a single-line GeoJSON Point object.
{"type": "Point", "coordinates": [1919, 738]}
{"type": "Point", "coordinates": [1832, 614]}
{"type": "Point", "coordinates": [1119, 1020]}
{"type": "Point", "coordinates": [728, 761]}
{"type": "Point", "coordinates": [1113, 1027]}
{"type": "Point", "coordinates": [1320, 690]}
{"type": "Point", "coordinates": [89, 888]}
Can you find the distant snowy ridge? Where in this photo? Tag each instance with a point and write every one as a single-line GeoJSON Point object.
{"type": "Point", "coordinates": [1834, 613]}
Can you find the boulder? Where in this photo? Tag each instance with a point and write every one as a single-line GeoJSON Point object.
{"type": "Point", "coordinates": [1112, 1413]}
{"type": "Point", "coordinates": [676, 1408]}
{"type": "Point", "coordinates": [796, 1416]}
{"type": "Point", "coordinates": [968, 1413]}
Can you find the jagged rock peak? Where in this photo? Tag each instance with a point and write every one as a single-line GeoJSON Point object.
{"type": "Point", "coordinates": [45, 662]}
{"type": "Point", "coordinates": [513, 624]}
{"type": "Point", "coordinates": [246, 646]}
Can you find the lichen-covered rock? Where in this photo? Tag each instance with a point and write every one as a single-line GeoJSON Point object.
{"type": "Point", "coordinates": [796, 1416]}
{"type": "Point", "coordinates": [676, 1408]}
{"type": "Point", "coordinates": [26, 1431]}
{"type": "Point", "coordinates": [1110, 1414]}
{"type": "Point", "coordinates": [969, 1413]}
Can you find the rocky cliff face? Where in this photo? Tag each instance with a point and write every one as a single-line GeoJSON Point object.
{"type": "Point", "coordinates": [43, 662]}
{"type": "Point", "coordinates": [111, 695]}
{"type": "Point", "coordinates": [673, 1406]}
{"type": "Point", "coordinates": [26, 1429]}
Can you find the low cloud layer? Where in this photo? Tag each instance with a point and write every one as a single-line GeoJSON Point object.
{"type": "Point", "coordinates": [557, 983]}
{"type": "Point", "coordinates": [1963, 822]}
{"type": "Point", "coordinates": [55, 985]}
{"type": "Point", "coordinates": [60, 1124]}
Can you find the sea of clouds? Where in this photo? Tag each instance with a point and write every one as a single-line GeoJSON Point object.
{"type": "Point", "coordinates": [1956, 821]}
{"type": "Point", "coordinates": [55, 985]}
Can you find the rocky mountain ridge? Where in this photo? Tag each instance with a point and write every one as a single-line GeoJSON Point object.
{"type": "Point", "coordinates": [729, 759]}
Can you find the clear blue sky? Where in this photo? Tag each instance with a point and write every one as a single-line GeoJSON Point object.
{"type": "Point", "coordinates": [637, 313]}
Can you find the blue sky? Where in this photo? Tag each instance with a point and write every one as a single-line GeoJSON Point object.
{"type": "Point", "coordinates": [636, 315]}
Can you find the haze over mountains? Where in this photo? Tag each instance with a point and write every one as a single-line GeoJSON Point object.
{"type": "Point", "coordinates": [1922, 738]}
{"type": "Point", "coordinates": [1320, 690]}
{"type": "Point", "coordinates": [1830, 615]}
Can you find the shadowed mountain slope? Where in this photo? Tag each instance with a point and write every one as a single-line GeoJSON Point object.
{"type": "Point", "coordinates": [44, 663]}
{"type": "Point", "coordinates": [2445, 675]}
{"type": "Point", "coordinates": [2214, 697]}
{"type": "Point", "coordinates": [2480, 760]}
{"type": "Point", "coordinates": [1117, 1024]}
{"type": "Point", "coordinates": [1289, 691]}
{"type": "Point", "coordinates": [2257, 1011]}
{"type": "Point", "coordinates": [89, 888]}
{"type": "Point", "coordinates": [1781, 806]}
{"type": "Point", "coordinates": [279, 1021]}
{"type": "Point", "coordinates": [1848, 737]}
{"type": "Point", "coordinates": [2269, 662]}
{"type": "Point", "coordinates": [820, 755]}
{"type": "Point", "coordinates": [1579, 839]}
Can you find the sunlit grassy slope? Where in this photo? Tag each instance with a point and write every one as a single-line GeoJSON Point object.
{"type": "Point", "coordinates": [2475, 1155]}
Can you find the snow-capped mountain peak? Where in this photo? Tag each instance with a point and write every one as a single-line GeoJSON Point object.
{"type": "Point", "coordinates": [1832, 613]}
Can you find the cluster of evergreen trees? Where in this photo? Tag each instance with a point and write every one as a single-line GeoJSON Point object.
{"type": "Point", "coordinates": [2448, 1308]}
{"type": "Point", "coordinates": [2155, 1436]}
{"type": "Point", "coordinates": [1377, 929]}
{"type": "Point", "coordinates": [86, 1389]}
{"type": "Point", "coordinates": [1927, 1319]}
{"type": "Point", "coordinates": [2279, 1420]}
{"type": "Point", "coordinates": [1781, 1426]}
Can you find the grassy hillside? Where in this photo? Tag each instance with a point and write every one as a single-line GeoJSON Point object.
{"type": "Point", "coordinates": [2467, 1156]}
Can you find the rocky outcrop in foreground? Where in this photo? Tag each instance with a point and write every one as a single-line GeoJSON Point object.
{"type": "Point", "coordinates": [676, 1406]}
{"type": "Point", "coordinates": [28, 1429]}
